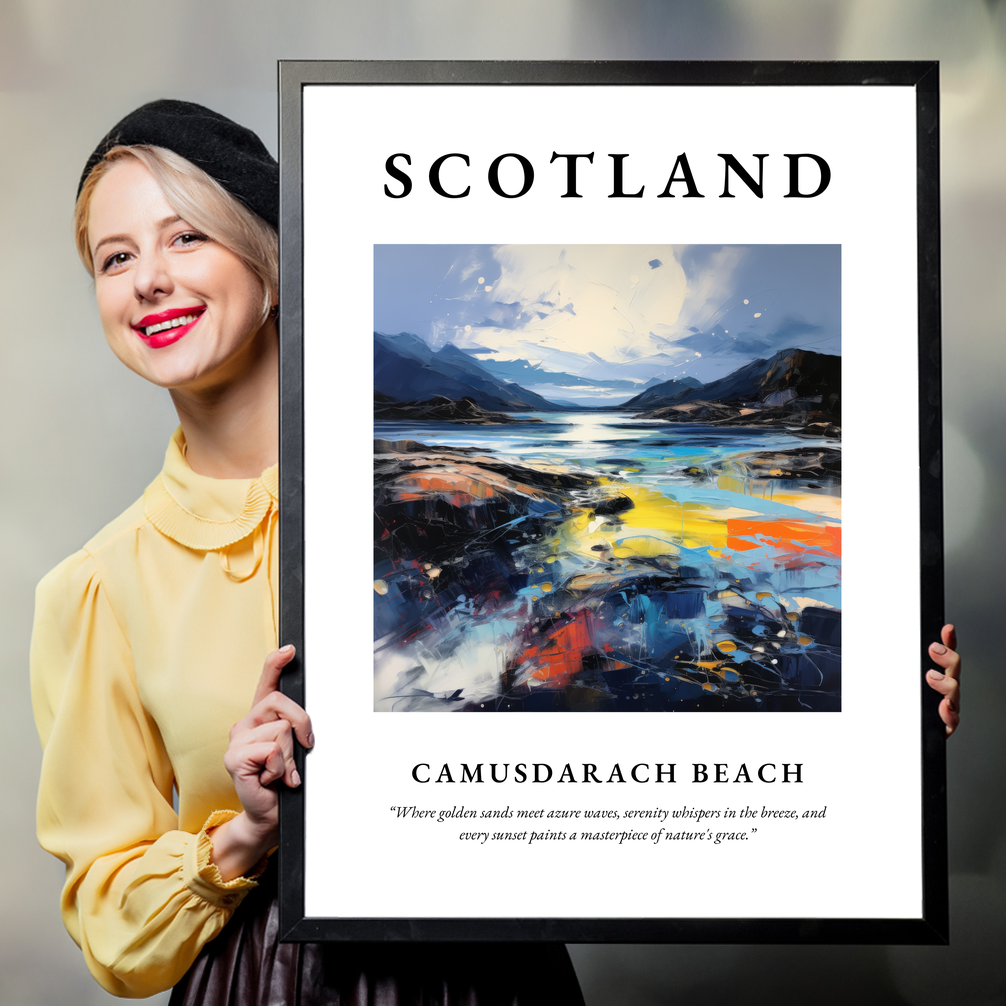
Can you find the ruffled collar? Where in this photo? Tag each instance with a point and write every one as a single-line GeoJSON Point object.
{"type": "Point", "coordinates": [203, 513]}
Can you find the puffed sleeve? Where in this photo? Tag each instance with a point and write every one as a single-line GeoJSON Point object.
{"type": "Point", "coordinates": [141, 898]}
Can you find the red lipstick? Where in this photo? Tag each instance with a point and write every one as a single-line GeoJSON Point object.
{"type": "Point", "coordinates": [165, 332]}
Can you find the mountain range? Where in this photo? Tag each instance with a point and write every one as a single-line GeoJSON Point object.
{"type": "Point", "coordinates": [406, 369]}
{"type": "Point", "coordinates": [793, 386]}
{"type": "Point", "coordinates": [661, 394]}
{"type": "Point", "coordinates": [527, 373]}
{"type": "Point", "coordinates": [790, 376]}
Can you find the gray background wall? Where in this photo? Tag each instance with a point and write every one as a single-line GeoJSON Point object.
{"type": "Point", "coordinates": [81, 436]}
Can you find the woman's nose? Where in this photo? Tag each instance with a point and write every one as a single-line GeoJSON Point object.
{"type": "Point", "coordinates": [152, 277]}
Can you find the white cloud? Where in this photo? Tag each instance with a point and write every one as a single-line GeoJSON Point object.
{"type": "Point", "coordinates": [585, 299]}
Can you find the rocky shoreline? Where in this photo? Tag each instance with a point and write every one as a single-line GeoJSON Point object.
{"type": "Point", "coordinates": [808, 421]}
{"type": "Point", "coordinates": [445, 410]}
{"type": "Point", "coordinates": [503, 584]}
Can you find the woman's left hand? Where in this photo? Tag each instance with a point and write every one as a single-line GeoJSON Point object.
{"type": "Point", "coordinates": [948, 681]}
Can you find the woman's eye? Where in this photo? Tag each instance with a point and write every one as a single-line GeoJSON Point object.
{"type": "Point", "coordinates": [190, 238]}
{"type": "Point", "coordinates": [114, 261]}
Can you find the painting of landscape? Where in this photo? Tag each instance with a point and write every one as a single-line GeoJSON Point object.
{"type": "Point", "coordinates": [607, 478]}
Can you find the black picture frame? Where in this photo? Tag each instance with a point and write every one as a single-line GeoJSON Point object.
{"type": "Point", "coordinates": [932, 925]}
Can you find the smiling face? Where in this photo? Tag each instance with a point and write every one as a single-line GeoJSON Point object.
{"type": "Point", "coordinates": [177, 307]}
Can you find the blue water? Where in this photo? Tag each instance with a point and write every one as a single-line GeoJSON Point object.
{"type": "Point", "coordinates": [614, 443]}
{"type": "Point", "coordinates": [468, 646]}
{"type": "Point", "coordinates": [655, 634]}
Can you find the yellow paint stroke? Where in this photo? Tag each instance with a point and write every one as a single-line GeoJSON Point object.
{"type": "Point", "coordinates": [659, 527]}
{"type": "Point", "coordinates": [590, 580]}
{"type": "Point", "coordinates": [648, 545]}
{"type": "Point", "coordinates": [381, 587]}
{"type": "Point", "coordinates": [810, 602]}
{"type": "Point", "coordinates": [829, 507]}
{"type": "Point", "coordinates": [732, 484]}
{"type": "Point", "coordinates": [692, 525]}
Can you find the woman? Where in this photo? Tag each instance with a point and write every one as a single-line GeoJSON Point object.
{"type": "Point", "coordinates": [148, 643]}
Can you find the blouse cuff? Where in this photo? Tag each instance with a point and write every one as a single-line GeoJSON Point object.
{"type": "Point", "coordinates": [202, 876]}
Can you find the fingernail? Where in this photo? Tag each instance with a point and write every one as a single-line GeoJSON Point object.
{"type": "Point", "coordinates": [938, 648]}
{"type": "Point", "coordinates": [310, 740]}
{"type": "Point", "coordinates": [936, 675]}
{"type": "Point", "coordinates": [287, 649]}
{"type": "Point", "coordinates": [295, 777]}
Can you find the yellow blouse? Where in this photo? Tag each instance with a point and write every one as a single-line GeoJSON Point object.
{"type": "Point", "coordinates": [147, 647]}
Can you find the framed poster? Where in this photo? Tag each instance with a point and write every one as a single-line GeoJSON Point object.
{"type": "Point", "coordinates": [603, 348]}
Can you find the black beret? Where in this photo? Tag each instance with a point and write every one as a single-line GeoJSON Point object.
{"type": "Point", "coordinates": [231, 154]}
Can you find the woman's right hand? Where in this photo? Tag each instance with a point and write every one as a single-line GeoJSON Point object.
{"type": "Point", "coordinates": [260, 753]}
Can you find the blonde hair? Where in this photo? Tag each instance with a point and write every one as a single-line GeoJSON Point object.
{"type": "Point", "coordinates": [199, 200]}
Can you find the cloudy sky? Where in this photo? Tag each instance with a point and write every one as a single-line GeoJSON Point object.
{"type": "Point", "coordinates": [587, 322]}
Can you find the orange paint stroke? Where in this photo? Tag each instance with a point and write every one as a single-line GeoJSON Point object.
{"type": "Point", "coordinates": [794, 535]}
{"type": "Point", "coordinates": [560, 655]}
